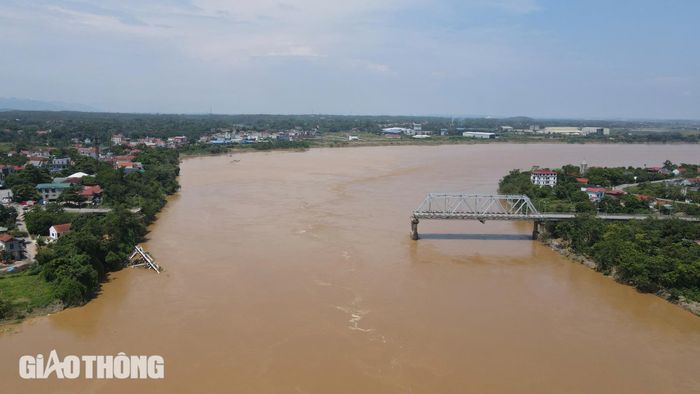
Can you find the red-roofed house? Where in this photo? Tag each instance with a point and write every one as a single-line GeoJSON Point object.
{"type": "Point", "coordinates": [615, 193]}
{"type": "Point", "coordinates": [38, 161]}
{"type": "Point", "coordinates": [92, 193]}
{"type": "Point", "coordinates": [583, 181]}
{"type": "Point", "coordinates": [129, 166]}
{"type": "Point", "coordinates": [692, 181]}
{"type": "Point", "coordinates": [643, 197]}
{"type": "Point", "coordinates": [123, 158]}
{"type": "Point", "coordinates": [57, 230]}
{"type": "Point", "coordinates": [72, 181]}
{"type": "Point", "coordinates": [543, 177]}
{"type": "Point", "coordinates": [594, 193]}
{"type": "Point", "coordinates": [91, 151]}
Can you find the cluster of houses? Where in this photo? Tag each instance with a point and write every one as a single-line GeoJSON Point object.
{"type": "Point", "coordinates": [91, 194]}
{"type": "Point", "coordinates": [151, 142]}
{"type": "Point", "coordinates": [14, 249]}
{"type": "Point", "coordinates": [233, 136]}
{"type": "Point", "coordinates": [557, 130]}
{"type": "Point", "coordinates": [44, 157]}
{"type": "Point", "coordinates": [547, 177]}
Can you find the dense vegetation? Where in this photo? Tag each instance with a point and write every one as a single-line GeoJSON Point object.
{"type": "Point", "coordinates": [74, 266]}
{"type": "Point", "coordinates": [8, 217]}
{"type": "Point", "coordinates": [566, 196]}
{"type": "Point", "coordinates": [659, 256]}
{"type": "Point", "coordinates": [651, 255]}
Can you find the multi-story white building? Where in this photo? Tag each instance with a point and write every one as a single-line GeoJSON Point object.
{"type": "Point", "coordinates": [543, 177]}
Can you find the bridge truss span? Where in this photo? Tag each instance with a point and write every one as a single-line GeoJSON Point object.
{"type": "Point", "coordinates": [480, 207]}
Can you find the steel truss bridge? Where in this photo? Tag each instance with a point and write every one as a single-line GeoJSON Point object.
{"type": "Point", "coordinates": [483, 207]}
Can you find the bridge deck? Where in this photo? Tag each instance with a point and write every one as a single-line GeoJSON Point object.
{"type": "Point", "coordinates": [433, 215]}
{"type": "Point", "coordinates": [483, 207]}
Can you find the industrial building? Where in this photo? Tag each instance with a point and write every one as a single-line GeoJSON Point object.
{"type": "Point", "coordinates": [574, 131]}
{"type": "Point", "coordinates": [479, 134]}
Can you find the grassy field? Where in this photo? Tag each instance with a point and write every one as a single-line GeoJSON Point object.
{"type": "Point", "coordinates": [6, 147]}
{"type": "Point", "coordinates": [24, 292]}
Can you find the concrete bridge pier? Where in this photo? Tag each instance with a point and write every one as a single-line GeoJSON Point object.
{"type": "Point", "coordinates": [536, 229]}
{"type": "Point", "coordinates": [414, 228]}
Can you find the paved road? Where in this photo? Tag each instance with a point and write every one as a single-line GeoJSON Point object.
{"type": "Point", "coordinates": [30, 244]}
{"type": "Point", "coordinates": [626, 185]}
{"type": "Point", "coordinates": [96, 210]}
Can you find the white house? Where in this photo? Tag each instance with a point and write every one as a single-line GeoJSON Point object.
{"type": "Point", "coordinates": [57, 230]}
{"type": "Point", "coordinates": [543, 177]}
{"type": "Point", "coordinates": [594, 193]}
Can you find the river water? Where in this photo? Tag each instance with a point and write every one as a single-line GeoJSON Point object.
{"type": "Point", "coordinates": [294, 272]}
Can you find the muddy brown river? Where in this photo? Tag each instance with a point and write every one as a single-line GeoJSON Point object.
{"type": "Point", "coordinates": [294, 272]}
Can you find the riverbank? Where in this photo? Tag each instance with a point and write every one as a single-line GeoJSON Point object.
{"type": "Point", "coordinates": [341, 140]}
{"type": "Point", "coordinates": [70, 270]}
{"type": "Point", "coordinates": [562, 247]}
{"type": "Point", "coordinates": [32, 296]}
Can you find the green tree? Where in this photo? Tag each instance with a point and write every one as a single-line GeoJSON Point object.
{"type": "Point", "coordinates": [8, 216]}
{"type": "Point", "coordinates": [24, 192]}
{"type": "Point", "coordinates": [5, 307]}
{"type": "Point", "coordinates": [30, 175]}
{"type": "Point", "coordinates": [72, 196]}
{"type": "Point", "coordinates": [40, 219]}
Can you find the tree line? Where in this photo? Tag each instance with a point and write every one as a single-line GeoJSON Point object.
{"type": "Point", "coordinates": [658, 256]}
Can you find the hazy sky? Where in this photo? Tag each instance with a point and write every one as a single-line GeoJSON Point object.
{"type": "Point", "coordinates": [547, 58]}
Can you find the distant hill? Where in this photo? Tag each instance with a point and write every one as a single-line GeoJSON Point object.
{"type": "Point", "coordinates": [13, 103]}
